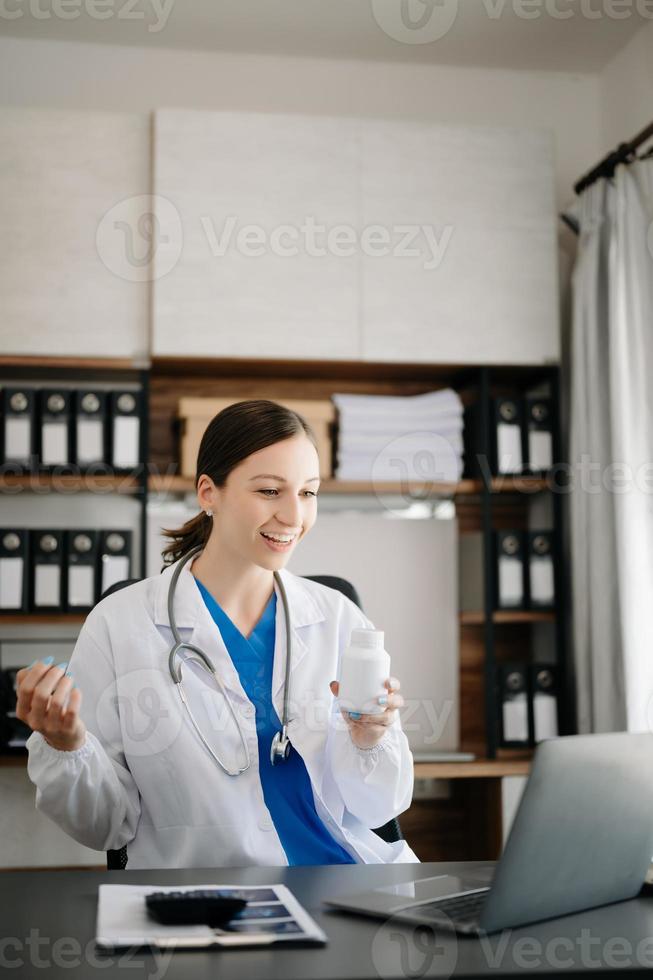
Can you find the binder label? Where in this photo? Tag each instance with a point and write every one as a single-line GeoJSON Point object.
{"type": "Point", "coordinates": [81, 583]}
{"type": "Point", "coordinates": [11, 583]}
{"type": "Point", "coordinates": [540, 450]}
{"type": "Point", "coordinates": [125, 441]}
{"type": "Point", "coordinates": [90, 448]}
{"type": "Point", "coordinates": [115, 568]}
{"type": "Point", "coordinates": [55, 443]}
{"type": "Point", "coordinates": [47, 585]}
{"type": "Point", "coordinates": [18, 438]}
{"type": "Point", "coordinates": [511, 589]}
{"type": "Point", "coordinates": [509, 454]}
{"type": "Point", "coordinates": [542, 585]}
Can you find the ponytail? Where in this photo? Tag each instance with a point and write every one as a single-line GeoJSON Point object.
{"type": "Point", "coordinates": [190, 535]}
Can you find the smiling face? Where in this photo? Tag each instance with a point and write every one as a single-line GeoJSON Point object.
{"type": "Point", "coordinates": [268, 503]}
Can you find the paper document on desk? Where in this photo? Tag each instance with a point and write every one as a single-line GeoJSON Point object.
{"type": "Point", "coordinates": [272, 915]}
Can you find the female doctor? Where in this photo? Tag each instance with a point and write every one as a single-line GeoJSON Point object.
{"type": "Point", "coordinates": [183, 774]}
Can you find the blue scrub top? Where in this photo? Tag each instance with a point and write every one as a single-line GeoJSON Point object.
{"type": "Point", "coordinates": [286, 786]}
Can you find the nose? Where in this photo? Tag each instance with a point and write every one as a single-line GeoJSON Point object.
{"type": "Point", "coordinates": [290, 514]}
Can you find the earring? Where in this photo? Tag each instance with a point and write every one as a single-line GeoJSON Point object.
{"type": "Point", "coordinates": [209, 513]}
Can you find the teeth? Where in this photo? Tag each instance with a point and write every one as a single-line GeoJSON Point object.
{"type": "Point", "coordinates": [281, 538]}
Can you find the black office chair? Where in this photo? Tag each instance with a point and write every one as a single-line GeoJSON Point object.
{"type": "Point", "coordinates": [390, 831]}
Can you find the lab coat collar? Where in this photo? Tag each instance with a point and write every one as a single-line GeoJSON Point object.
{"type": "Point", "coordinates": [191, 613]}
{"type": "Point", "coordinates": [304, 610]}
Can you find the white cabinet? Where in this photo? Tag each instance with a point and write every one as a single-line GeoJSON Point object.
{"type": "Point", "coordinates": [70, 207]}
{"type": "Point", "coordinates": [257, 196]}
{"type": "Point", "coordinates": [475, 207]}
{"type": "Point", "coordinates": [276, 236]}
{"type": "Point", "coordinates": [381, 240]}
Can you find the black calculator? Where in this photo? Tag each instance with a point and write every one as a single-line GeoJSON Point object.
{"type": "Point", "coordinates": [201, 906]}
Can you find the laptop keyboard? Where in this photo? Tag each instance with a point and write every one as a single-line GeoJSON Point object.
{"type": "Point", "coordinates": [462, 908]}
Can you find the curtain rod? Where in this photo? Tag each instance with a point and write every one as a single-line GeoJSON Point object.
{"type": "Point", "coordinates": [622, 154]}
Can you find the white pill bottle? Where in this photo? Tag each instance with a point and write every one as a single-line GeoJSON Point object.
{"type": "Point", "coordinates": [364, 666]}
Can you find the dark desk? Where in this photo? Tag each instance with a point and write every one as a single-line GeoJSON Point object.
{"type": "Point", "coordinates": [48, 920]}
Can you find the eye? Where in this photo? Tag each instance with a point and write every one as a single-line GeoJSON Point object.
{"type": "Point", "coordinates": [272, 490]}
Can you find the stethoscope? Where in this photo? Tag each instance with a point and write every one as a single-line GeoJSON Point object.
{"type": "Point", "coordinates": [280, 747]}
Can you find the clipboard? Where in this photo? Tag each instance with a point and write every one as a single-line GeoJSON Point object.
{"type": "Point", "coordinates": [272, 916]}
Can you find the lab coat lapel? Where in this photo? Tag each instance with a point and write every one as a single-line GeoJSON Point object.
{"type": "Point", "coordinates": [304, 611]}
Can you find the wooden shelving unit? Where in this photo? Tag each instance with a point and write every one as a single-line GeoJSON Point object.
{"type": "Point", "coordinates": [478, 769]}
{"type": "Point", "coordinates": [40, 629]}
{"type": "Point", "coordinates": [420, 491]}
{"type": "Point", "coordinates": [67, 483]}
{"type": "Point", "coordinates": [477, 617]}
{"type": "Point", "coordinates": [37, 366]}
{"type": "Point", "coordinates": [41, 619]}
{"type": "Point", "coordinates": [482, 501]}
{"type": "Point", "coordinates": [16, 761]}
{"type": "Point", "coordinates": [100, 479]}
{"type": "Point", "coordinates": [468, 825]}
{"type": "Point", "coordinates": [161, 483]}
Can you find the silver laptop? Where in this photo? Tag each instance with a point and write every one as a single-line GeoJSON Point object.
{"type": "Point", "coordinates": [582, 837]}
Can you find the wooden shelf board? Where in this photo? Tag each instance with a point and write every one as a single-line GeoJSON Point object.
{"type": "Point", "coordinates": [72, 363]}
{"type": "Point", "coordinates": [477, 617]}
{"type": "Point", "coordinates": [315, 368]}
{"type": "Point", "coordinates": [518, 484]}
{"type": "Point", "coordinates": [478, 769]}
{"type": "Point", "coordinates": [13, 761]}
{"type": "Point", "coordinates": [44, 619]}
{"type": "Point", "coordinates": [174, 483]}
{"type": "Point", "coordinates": [186, 484]}
{"type": "Point", "coordinates": [418, 490]}
{"type": "Point", "coordinates": [160, 483]}
{"type": "Point", "coordinates": [309, 369]}
{"type": "Point", "coordinates": [68, 483]}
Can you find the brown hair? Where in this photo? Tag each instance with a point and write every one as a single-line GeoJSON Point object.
{"type": "Point", "coordinates": [230, 437]}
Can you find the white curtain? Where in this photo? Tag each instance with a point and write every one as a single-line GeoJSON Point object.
{"type": "Point", "coordinates": [611, 452]}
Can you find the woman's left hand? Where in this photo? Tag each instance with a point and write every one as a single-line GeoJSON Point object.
{"type": "Point", "coordinates": [367, 730]}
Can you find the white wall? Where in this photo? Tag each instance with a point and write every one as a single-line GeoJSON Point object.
{"type": "Point", "coordinates": [131, 79]}
{"type": "Point", "coordinates": [626, 91]}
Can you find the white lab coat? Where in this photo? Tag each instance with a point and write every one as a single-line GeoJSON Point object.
{"type": "Point", "coordinates": [143, 777]}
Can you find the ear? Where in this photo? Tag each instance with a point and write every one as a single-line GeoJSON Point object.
{"type": "Point", "coordinates": [206, 494]}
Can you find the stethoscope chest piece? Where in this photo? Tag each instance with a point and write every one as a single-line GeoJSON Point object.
{"type": "Point", "coordinates": [280, 747]}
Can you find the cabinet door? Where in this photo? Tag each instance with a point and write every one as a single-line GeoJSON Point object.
{"type": "Point", "coordinates": [73, 194]}
{"type": "Point", "coordinates": [256, 195]}
{"type": "Point", "coordinates": [463, 268]}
